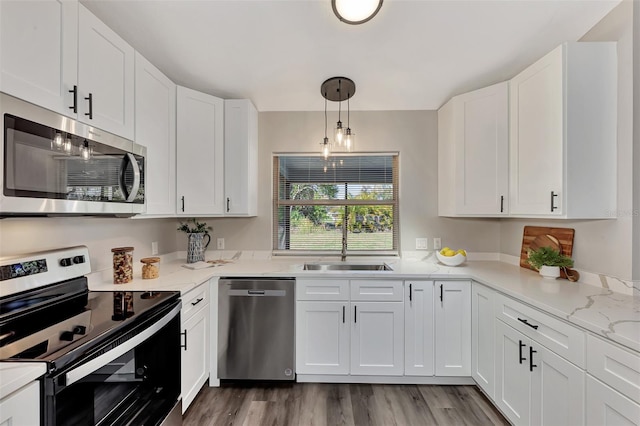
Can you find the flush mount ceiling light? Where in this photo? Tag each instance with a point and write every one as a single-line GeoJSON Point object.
{"type": "Point", "coordinates": [355, 12]}
{"type": "Point", "coordinates": [338, 89]}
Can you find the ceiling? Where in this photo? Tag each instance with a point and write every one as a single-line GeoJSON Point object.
{"type": "Point", "coordinates": [413, 55]}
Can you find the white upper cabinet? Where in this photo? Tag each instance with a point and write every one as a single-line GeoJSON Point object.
{"type": "Point", "coordinates": [563, 134]}
{"type": "Point", "coordinates": [38, 52]}
{"type": "Point", "coordinates": [473, 143]}
{"type": "Point", "coordinates": [58, 55]}
{"type": "Point", "coordinates": [105, 77]}
{"type": "Point", "coordinates": [240, 157]}
{"type": "Point", "coordinates": [200, 154]}
{"type": "Point", "coordinates": [156, 129]}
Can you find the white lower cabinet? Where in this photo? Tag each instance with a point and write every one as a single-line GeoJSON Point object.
{"type": "Point", "coordinates": [355, 335]}
{"type": "Point", "coordinates": [513, 381]}
{"type": "Point", "coordinates": [377, 338]}
{"type": "Point", "coordinates": [453, 328]}
{"type": "Point", "coordinates": [608, 407]}
{"type": "Point", "coordinates": [195, 326]}
{"type": "Point", "coordinates": [419, 328]}
{"type": "Point", "coordinates": [322, 341]}
{"type": "Point", "coordinates": [21, 407]}
{"type": "Point", "coordinates": [483, 337]}
{"type": "Point", "coordinates": [535, 386]}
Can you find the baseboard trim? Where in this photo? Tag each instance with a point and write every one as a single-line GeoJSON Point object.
{"type": "Point", "coordinates": [398, 380]}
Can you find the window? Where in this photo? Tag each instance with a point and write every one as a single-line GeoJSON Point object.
{"type": "Point", "coordinates": [313, 196]}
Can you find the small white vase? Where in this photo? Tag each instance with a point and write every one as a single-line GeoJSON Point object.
{"type": "Point", "coordinates": [550, 272]}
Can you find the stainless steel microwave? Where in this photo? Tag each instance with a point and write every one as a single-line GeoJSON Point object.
{"type": "Point", "coordinates": [51, 164]}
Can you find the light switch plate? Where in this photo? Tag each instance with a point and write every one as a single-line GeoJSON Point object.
{"type": "Point", "coordinates": [154, 248]}
{"type": "Point", "coordinates": [220, 243]}
{"type": "Point", "coordinates": [422, 243]}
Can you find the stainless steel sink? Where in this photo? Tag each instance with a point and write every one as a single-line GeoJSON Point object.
{"type": "Point", "coordinates": [347, 267]}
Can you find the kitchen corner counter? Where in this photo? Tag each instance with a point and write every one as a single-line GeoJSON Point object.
{"type": "Point", "coordinates": [15, 375]}
{"type": "Point", "coordinates": [608, 314]}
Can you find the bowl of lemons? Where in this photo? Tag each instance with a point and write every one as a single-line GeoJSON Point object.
{"type": "Point", "coordinates": [451, 257]}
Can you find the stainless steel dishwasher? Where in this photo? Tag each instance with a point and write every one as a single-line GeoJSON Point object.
{"type": "Point", "coordinates": [256, 328]}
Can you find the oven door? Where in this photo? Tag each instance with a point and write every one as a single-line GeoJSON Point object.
{"type": "Point", "coordinates": [131, 379]}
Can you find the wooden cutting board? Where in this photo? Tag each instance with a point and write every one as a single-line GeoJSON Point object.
{"type": "Point", "coordinates": [540, 236]}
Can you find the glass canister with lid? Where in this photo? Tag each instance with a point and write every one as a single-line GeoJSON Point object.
{"type": "Point", "coordinates": [122, 265]}
{"type": "Point", "coordinates": [150, 268]}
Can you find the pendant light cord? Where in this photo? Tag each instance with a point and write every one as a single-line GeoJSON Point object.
{"type": "Point", "coordinates": [325, 115]}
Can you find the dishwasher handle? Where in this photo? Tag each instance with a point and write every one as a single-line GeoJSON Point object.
{"type": "Point", "coordinates": [257, 293]}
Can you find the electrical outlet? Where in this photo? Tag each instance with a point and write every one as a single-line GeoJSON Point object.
{"type": "Point", "coordinates": [220, 242]}
{"type": "Point", "coordinates": [422, 243]}
{"type": "Point", "coordinates": [154, 247]}
{"type": "Point", "coordinates": [437, 243]}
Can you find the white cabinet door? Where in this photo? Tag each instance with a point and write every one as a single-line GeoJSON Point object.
{"type": "Point", "coordinates": [536, 137]}
{"type": "Point", "coordinates": [483, 338]}
{"type": "Point", "coordinates": [608, 407]}
{"type": "Point", "coordinates": [453, 328]}
{"type": "Point", "coordinates": [513, 380]}
{"type": "Point", "coordinates": [240, 157]}
{"type": "Point", "coordinates": [156, 130]}
{"type": "Point", "coordinates": [195, 355]}
{"type": "Point", "coordinates": [377, 338]}
{"type": "Point", "coordinates": [39, 51]}
{"type": "Point", "coordinates": [557, 389]}
{"type": "Point", "coordinates": [21, 407]}
{"type": "Point", "coordinates": [322, 337]}
{"type": "Point", "coordinates": [563, 123]}
{"type": "Point", "coordinates": [419, 328]}
{"type": "Point", "coordinates": [473, 146]}
{"type": "Point", "coordinates": [105, 77]}
{"type": "Point", "coordinates": [200, 153]}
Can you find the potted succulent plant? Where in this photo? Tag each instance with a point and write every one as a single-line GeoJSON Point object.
{"type": "Point", "coordinates": [548, 261]}
{"type": "Point", "coordinates": [196, 232]}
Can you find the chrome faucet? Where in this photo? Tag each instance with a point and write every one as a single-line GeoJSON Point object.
{"type": "Point", "coordinates": [343, 257]}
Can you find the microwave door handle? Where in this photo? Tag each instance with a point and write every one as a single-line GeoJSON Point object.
{"type": "Point", "coordinates": [129, 159]}
{"type": "Point", "coordinates": [136, 178]}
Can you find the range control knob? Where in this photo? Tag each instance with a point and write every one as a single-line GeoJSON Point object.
{"type": "Point", "coordinates": [79, 329]}
{"type": "Point", "coordinates": [67, 261]}
{"type": "Point", "coordinates": [67, 335]}
{"type": "Point", "coordinates": [78, 259]}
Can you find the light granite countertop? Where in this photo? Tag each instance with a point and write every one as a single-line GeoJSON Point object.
{"type": "Point", "coordinates": [599, 310]}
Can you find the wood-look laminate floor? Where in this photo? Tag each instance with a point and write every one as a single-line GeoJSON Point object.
{"type": "Point", "coordinates": [313, 404]}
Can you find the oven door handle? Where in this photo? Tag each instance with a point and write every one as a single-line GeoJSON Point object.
{"type": "Point", "coordinates": [87, 368]}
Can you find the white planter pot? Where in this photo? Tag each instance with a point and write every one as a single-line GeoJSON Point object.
{"type": "Point", "coordinates": [550, 272]}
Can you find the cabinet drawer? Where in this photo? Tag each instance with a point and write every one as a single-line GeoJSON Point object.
{"type": "Point", "coordinates": [322, 289]}
{"type": "Point", "coordinates": [376, 290]}
{"type": "Point", "coordinates": [558, 336]}
{"type": "Point", "coordinates": [615, 366]}
{"type": "Point", "coordinates": [194, 300]}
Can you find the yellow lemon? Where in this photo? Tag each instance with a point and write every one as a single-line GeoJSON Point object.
{"type": "Point", "coordinates": [450, 253]}
{"type": "Point", "coordinates": [462, 252]}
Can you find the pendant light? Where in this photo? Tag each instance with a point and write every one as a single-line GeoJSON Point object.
{"type": "Point", "coordinates": [349, 138]}
{"type": "Point", "coordinates": [86, 151]}
{"type": "Point", "coordinates": [326, 146]}
{"type": "Point", "coordinates": [355, 12]}
{"type": "Point", "coordinates": [338, 89]}
{"type": "Point", "coordinates": [338, 133]}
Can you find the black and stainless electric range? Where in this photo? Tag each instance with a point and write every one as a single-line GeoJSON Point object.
{"type": "Point", "coordinates": [113, 358]}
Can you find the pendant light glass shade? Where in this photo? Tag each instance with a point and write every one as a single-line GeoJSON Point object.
{"type": "Point", "coordinates": [349, 140]}
{"type": "Point", "coordinates": [338, 134]}
{"type": "Point", "coordinates": [355, 12]}
{"type": "Point", "coordinates": [86, 151]}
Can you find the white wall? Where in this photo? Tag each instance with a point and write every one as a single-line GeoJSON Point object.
{"type": "Point", "coordinates": [411, 133]}
{"type": "Point", "coordinates": [100, 235]}
{"type": "Point", "coordinates": [603, 246]}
